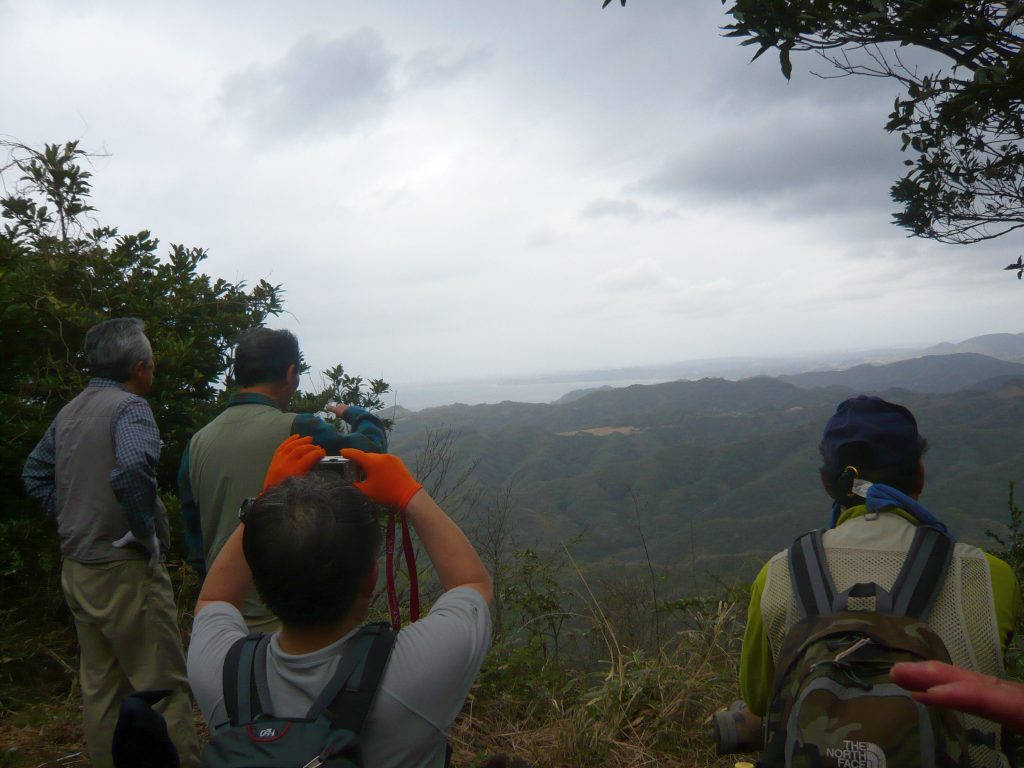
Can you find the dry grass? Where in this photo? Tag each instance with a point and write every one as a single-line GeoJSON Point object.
{"type": "Point", "coordinates": [642, 711]}
{"type": "Point", "coordinates": [40, 703]}
{"type": "Point", "coordinates": [625, 708]}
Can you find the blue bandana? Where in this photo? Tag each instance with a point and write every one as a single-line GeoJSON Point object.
{"type": "Point", "coordinates": [881, 497]}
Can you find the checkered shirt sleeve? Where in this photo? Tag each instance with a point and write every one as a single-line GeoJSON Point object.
{"type": "Point", "coordinates": [38, 473]}
{"type": "Point", "coordinates": [137, 450]}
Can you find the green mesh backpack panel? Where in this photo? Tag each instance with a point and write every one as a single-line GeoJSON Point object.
{"type": "Point", "coordinates": [833, 705]}
{"type": "Point", "coordinates": [328, 736]}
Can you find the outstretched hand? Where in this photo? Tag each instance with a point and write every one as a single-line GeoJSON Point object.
{"type": "Point", "coordinates": [295, 456]}
{"type": "Point", "coordinates": [387, 480]}
{"type": "Point", "coordinates": [943, 685]}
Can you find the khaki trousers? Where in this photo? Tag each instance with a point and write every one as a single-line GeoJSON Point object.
{"type": "Point", "coordinates": [128, 635]}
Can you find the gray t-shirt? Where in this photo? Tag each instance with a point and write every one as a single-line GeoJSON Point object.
{"type": "Point", "coordinates": [432, 667]}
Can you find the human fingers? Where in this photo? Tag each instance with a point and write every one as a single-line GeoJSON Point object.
{"type": "Point", "coordinates": [286, 458]}
{"type": "Point", "coordinates": [920, 676]}
{"type": "Point", "coordinates": [991, 699]}
{"type": "Point", "coordinates": [359, 457]}
{"type": "Point", "coordinates": [128, 538]}
{"type": "Point", "coordinates": [294, 443]}
{"type": "Point", "coordinates": [362, 459]}
{"type": "Point", "coordinates": [305, 459]}
{"type": "Point", "coordinates": [289, 440]}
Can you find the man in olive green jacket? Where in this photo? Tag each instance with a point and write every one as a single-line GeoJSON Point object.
{"type": "Point", "coordinates": [227, 460]}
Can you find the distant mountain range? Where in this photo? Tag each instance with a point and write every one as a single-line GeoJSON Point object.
{"type": "Point", "coordinates": [639, 404]}
{"type": "Point", "coordinates": [737, 460]}
{"type": "Point", "coordinates": [946, 372]}
{"type": "Point", "coordinates": [1003, 346]}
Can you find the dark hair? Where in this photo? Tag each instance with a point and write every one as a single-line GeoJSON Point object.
{"type": "Point", "coordinates": [904, 475]}
{"type": "Point", "coordinates": [310, 543]}
{"type": "Point", "coordinates": [114, 347]}
{"type": "Point", "coordinates": [263, 356]}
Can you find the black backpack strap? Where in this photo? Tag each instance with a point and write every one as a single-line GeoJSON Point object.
{"type": "Point", "coordinates": [809, 576]}
{"type": "Point", "coordinates": [351, 660]}
{"type": "Point", "coordinates": [237, 680]}
{"type": "Point", "coordinates": [353, 703]}
{"type": "Point", "coordinates": [259, 672]}
{"type": "Point", "coordinates": [923, 573]}
{"type": "Point", "coordinates": [348, 697]}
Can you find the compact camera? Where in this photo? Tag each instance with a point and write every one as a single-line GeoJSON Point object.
{"type": "Point", "coordinates": [344, 469]}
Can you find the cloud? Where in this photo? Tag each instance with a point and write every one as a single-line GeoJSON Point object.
{"type": "Point", "coordinates": [603, 206]}
{"type": "Point", "coordinates": [798, 159]}
{"type": "Point", "coordinates": [481, 136]}
{"type": "Point", "coordinates": [673, 295]}
{"type": "Point", "coordinates": [435, 67]}
{"type": "Point", "coordinates": [716, 297]}
{"type": "Point", "coordinates": [643, 274]}
{"type": "Point", "coordinates": [541, 237]}
{"type": "Point", "coordinates": [336, 84]}
{"type": "Point", "coordinates": [319, 84]}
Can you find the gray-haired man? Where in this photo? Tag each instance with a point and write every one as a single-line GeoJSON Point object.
{"type": "Point", "coordinates": [94, 472]}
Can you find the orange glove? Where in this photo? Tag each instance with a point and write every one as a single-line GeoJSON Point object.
{"type": "Point", "coordinates": [295, 456]}
{"type": "Point", "coordinates": [387, 480]}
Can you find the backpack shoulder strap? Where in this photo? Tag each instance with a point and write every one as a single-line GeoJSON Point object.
{"type": "Point", "coordinates": [810, 578]}
{"type": "Point", "coordinates": [923, 574]}
{"type": "Point", "coordinates": [259, 671]}
{"type": "Point", "coordinates": [237, 679]}
{"type": "Point", "coordinates": [350, 694]}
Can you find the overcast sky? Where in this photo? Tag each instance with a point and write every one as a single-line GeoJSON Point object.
{"type": "Point", "coordinates": [468, 189]}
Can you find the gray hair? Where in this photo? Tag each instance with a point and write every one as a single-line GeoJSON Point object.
{"type": "Point", "coordinates": [114, 347]}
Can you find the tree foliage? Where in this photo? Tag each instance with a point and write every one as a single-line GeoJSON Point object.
{"type": "Point", "coordinates": [60, 273]}
{"type": "Point", "coordinates": [336, 386]}
{"type": "Point", "coordinates": [965, 182]}
{"type": "Point", "coordinates": [58, 277]}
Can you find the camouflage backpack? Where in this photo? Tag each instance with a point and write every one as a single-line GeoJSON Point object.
{"type": "Point", "coordinates": [833, 705]}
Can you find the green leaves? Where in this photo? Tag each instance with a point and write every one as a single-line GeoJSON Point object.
{"type": "Point", "coordinates": [787, 66]}
{"type": "Point", "coordinates": [336, 386]}
{"type": "Point", "coordinates": [58, 279]}
{"type": "Point", "coordinates": [964, 124]}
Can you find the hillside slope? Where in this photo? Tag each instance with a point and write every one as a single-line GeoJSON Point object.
{"type": "Point", "coordinates": [742, 472]}
{"type": "Point", "coordinates": [624, 405]}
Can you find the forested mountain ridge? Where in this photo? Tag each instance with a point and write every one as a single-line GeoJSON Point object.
{"type": "Point", "coordinates": [737, 460]}
{"type": "Point", "coordinates": [625, 406]}
{"type": "Point", "coordinates": [1005, 346]}
{"type": "Point", "coordinates": [931, 373]}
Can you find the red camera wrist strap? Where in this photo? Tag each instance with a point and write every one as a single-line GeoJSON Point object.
{"type": "Point", "coordinates": [389, 572]}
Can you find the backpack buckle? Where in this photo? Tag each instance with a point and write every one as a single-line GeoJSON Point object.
{"type": "Point", "coordinates": [333, 748]}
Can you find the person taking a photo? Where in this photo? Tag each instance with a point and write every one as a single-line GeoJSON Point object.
{"type": "Point", "coordinates": [227, 460]}
{"type": "Point", "coordinates": [309, 544]}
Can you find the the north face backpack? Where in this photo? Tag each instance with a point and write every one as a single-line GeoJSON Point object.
{"type": "Point", "coordinates": [833, 704]}
{"type": "Point", "coordinates": [327, 736]}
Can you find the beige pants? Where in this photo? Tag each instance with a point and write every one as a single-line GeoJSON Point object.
{"type": "Point", "coordinates": [128, 635]}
